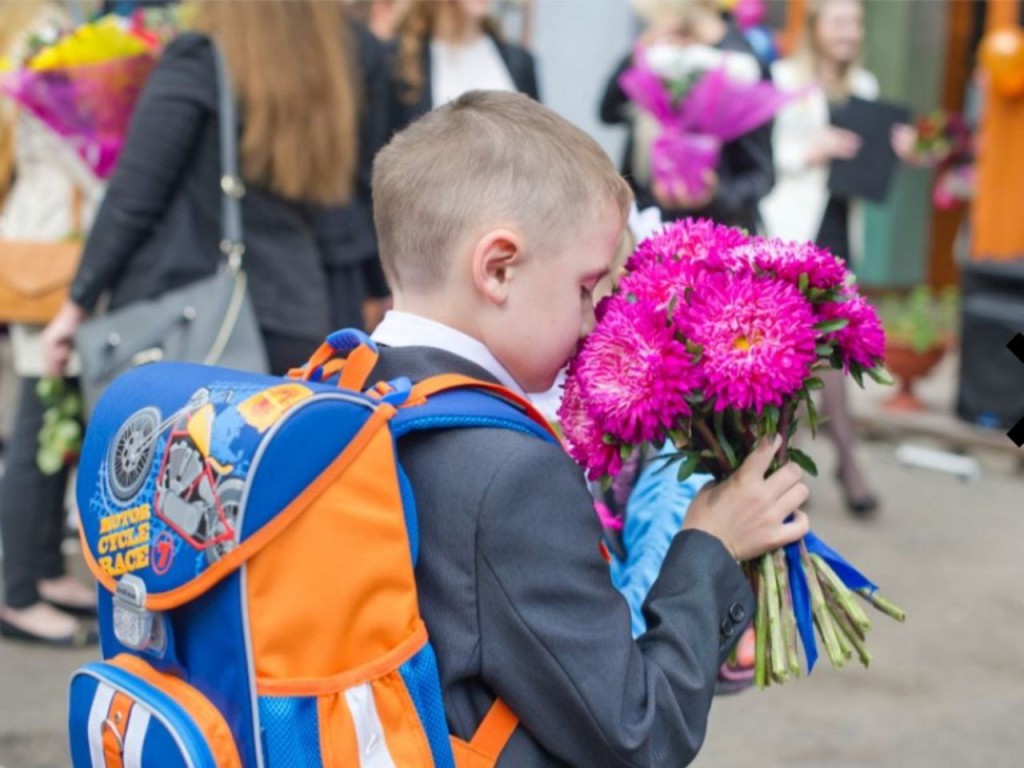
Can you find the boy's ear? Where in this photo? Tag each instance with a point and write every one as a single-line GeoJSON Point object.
{"type": "Point", "coordinates": [496, 257]}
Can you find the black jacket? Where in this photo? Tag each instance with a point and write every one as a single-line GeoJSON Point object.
{"type": "Point", "coordinates": [159, 225]}
{"type": "Point", "coordinates": [746, 171]}
{"type": "Point", "coordinates": [519, 602]}
{"type": "Point", "coordinates": [520, 63]}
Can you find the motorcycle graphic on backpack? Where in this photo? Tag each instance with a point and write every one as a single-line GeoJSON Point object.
{"type": "Point", "coordinates": [196, 495]}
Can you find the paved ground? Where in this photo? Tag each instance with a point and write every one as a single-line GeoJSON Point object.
{"type": "Point", "coordinates": [946, 690]}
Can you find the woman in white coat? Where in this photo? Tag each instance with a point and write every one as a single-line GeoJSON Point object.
{"type": "Point", "coordinates": [800, 206]}
{"type": "Point", "coordinates": [49, 184]}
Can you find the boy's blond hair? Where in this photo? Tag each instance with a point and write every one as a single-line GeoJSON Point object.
{"type": "Point", "coordinates": [483, 158]}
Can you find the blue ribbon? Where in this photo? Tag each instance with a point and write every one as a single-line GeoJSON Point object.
{"type": "Point", "coordinates": [849, 575]}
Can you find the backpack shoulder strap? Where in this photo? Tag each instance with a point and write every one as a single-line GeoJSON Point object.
{"type": "Point", "coordinates": [452, 402]}
{"type": "Point", "coordinates": [489, 741]}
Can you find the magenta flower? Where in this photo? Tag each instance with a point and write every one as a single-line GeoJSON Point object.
{"type": "Point", "coordinates": [862, 341]}
{"type": "Point", "coordinates": [789, 260]}
{"type": "Point", "coordinates": [634, 373]}
{"type": "Point", "coordinates": [690, 241]}
{"type": "Point", "coordinates": [757, 337]}
{"type": "Point", "coordinates": [667, 264]}
{"type": "Point", "coordinates": [583, 437]}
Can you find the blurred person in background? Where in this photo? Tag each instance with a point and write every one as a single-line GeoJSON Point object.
{"type": "Point", "coordinates": [302, 100]}
{"type": "Point", "coordinates": [827, 68]}
{"type": "Point", "coordinates": [380, 16]}
{"type": "Point", "coordinates": [444, 48]}
{"type": "Point", "coordinates": [745, 172]}
{"type": "Point", "coordinates": [47, 194]}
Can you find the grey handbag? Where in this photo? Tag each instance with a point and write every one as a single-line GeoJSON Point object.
{"type": "Point", "coordinates": [209, 321]}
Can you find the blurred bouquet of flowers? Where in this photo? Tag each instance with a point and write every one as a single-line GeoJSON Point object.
{"type": "Point", "coordinates": [83, 85]}
{"type": "Point", "coordinates": [701, 98]}
{"type": "Point", "coordinates": [711, 343]}
{"type": "Point", "coordinates": [944, 140]}
{"type": "Point", "coordinates": [941, 136]}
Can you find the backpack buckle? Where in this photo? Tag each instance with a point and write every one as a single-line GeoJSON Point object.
{"type": "Point", "coordinates": [135, 626]}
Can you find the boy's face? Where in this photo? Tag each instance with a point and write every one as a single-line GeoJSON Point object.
{"type": "Point", "coordinates": [551, 305]}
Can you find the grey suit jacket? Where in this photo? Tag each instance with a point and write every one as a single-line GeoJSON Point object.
{"type": "Point", "coordinates": [519, 603]}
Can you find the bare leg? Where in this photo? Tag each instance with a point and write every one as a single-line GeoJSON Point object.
{"type": "Point", "coordinates": [856, 493]}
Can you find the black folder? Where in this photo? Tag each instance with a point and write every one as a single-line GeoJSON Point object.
{"type": "Point", "coordinates": [869, 174]}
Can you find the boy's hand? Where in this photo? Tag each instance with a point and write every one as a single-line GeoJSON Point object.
{"type": "Point", "coordinates": [748, 512]}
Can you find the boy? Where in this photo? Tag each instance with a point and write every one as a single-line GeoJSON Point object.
{"type": "Point", "coordinates": [496, 220]}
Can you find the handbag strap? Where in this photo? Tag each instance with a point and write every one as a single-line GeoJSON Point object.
{"type": "Point", "coordinates": [231, 185]}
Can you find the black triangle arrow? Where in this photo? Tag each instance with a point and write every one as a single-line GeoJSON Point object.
{"type": "Point", "coordinates": [1016, 345]}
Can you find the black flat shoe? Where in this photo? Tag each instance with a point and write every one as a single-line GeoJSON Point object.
{"type": "Point", "coordinates": [863, 508]}
{"type": "Point", "coordinates": [83, 637]}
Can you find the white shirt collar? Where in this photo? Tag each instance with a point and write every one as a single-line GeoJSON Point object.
{"type": "Point", "coordinates": [404, 329]}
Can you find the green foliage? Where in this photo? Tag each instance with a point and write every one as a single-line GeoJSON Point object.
{"type": "Point", "coordinates": [921, 319]}
{"type": "Point", "coordinates": [60, 439]}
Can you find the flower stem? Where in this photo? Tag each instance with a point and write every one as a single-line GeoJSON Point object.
{"type": "Point", "coordinates": [847, 627]}
{"type": "Point", "coordinates": [821, 614]}
{"type": "Point", "coordinates": [761, 635]}
{"type": "Point", "coordinates": [883, 605]}
{"type": "Point", "coordinates": [842, 593]}
{"type": "Point", "coordinates": [788, 616]}
{"type": "Point", "coordinates": [775, 644]}
{"type": "Point", "coordinates": [712, 443]}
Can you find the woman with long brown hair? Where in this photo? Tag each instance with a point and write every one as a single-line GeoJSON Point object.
{"type": "Point", "coordinates": [295, 66]}
{"type": "Point", "coordinates": [443, 48]}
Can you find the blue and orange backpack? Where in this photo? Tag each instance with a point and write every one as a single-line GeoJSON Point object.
{"type": "Point", "coordinates": [255, 541]}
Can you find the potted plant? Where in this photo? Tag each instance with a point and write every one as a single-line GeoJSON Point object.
{"type": "Point", "coordinates": [919, 328]}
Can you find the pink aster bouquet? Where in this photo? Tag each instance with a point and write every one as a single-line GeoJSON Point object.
{"type": "Point", "coordinates": [702, 98]}
{"type": "Point", "coordinates": [711, 343]}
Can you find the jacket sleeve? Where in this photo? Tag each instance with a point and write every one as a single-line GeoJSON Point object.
{"type": "Point", "coordinates": [555, 635]}
{"type": "Point", "coordinates": [754, 174]}
{"type": "Point", "coordinates": [614, 103]}
{"type": "Point", "coordinates": [166, 125]}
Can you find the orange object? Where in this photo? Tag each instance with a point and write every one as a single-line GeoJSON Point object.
{"type": "Point", "coordinates": [1002, 56]}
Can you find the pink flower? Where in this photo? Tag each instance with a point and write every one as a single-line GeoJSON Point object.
{"type": "Point", "coordinates": [692, 242]}
{"type": "Point", "coordinates": [862, 341]}
{"type": "Point", "coordinates": [634, 373]}
{"type": "Point", "coordinates": [666, 265]}
{"type": "Point", "coordinates": [583, 437]}
{"type": "Point", "coordinates": [757, 338]}
{"type": "Point", "coordinates": [789, 260]}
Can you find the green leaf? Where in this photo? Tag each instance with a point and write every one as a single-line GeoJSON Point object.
{"type": "Point", "coordinates": [667, 460]}
{"type": "Point", "coordinates": [771, 414]}
{"type": "Point", "coordinates": [814, 383]}
{"type": "Point", "coordinates": [812, 415]}
{"type": "Point", "coordinates": [804, 282]}
{"type": "Point", "coordinates": [723, 441]}
{"type": "Point", "coordinates": [687, 467]}
{"type": "Point", "coordinates": [881, 375]}
{"type": "Point", "coordinates": [696, 350]}
{"type": "Point", "coordinates": [831, 326]}
{"type": "Point", "coordinates": [802, 460]}
{"type": "Point", "coordinates": [694, 398]}
{"type": "Point", "coordinates": [625, 450]}
{"type": "Point", "coordinates": [823, 350]}
{"type": "Point", "coordinates": [858, 375]}
{"type": "Point", "coordinates": [608, 439]}
{"type": "Point", "coordinates": [49, 460]}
